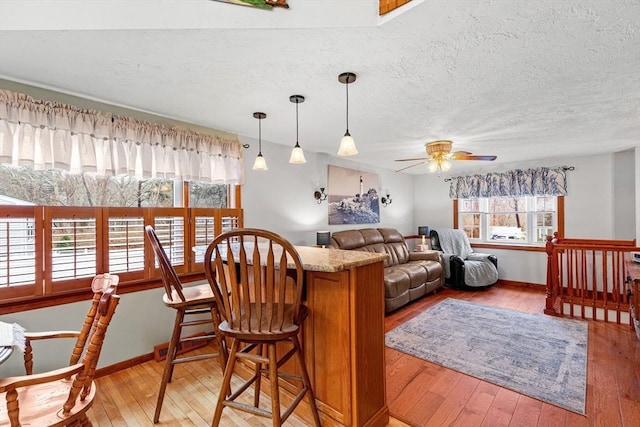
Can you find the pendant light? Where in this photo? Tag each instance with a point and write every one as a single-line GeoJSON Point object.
{"type": "Point", "coordinates": [347, 144]}
{"type": "Point", "coordinates": [297, 155]}
{"type": "Point", "coordinates": [260, 163]}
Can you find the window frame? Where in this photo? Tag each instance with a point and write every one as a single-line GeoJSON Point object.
{"type": "Point", "coordinates": [514, 246]}
{"type": "Point", "coordinates": [45, 292]}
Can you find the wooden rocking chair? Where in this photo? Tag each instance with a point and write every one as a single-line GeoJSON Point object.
{"type": "Point", "coordinates": [62, 397]}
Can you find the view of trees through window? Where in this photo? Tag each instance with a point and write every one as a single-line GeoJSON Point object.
{"type": "Point", "coordinates": [207, 195]}
{"type": "Point", "coordinates": [57, 188]}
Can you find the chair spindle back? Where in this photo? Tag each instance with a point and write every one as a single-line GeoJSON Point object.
{"type": "Point", "coordinates": [258, 277]}
{"type": "Point", "coordinates": [170, 278]}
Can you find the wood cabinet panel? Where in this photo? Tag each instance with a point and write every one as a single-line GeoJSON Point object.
{"type": "Point", "coordinates": [344, 344]}
{"type": "Point", "coordinates": [327, 339]}
{"type": "Point", "coordinates": [368, 345]}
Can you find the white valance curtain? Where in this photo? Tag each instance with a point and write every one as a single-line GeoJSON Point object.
{"type": "Point", "coordinates": [530, 182]}
{"type": "Point", "coordinates": [46, 135]}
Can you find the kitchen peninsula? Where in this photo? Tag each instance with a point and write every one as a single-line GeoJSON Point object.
{"type": "Point", "coordinates": [344, 335]}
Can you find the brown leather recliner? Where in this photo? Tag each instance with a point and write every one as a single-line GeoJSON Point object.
{"type": "Point", "coordinates": [407, 275]}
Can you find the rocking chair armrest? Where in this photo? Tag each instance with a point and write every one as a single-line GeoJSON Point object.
{"type": "Point", "coordinates": [34, 336]}
{"type": "Point", "coordinates": [11, 383]}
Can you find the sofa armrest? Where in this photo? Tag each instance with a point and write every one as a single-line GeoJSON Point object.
{"type": "Point", "coordinates": [425, 256]}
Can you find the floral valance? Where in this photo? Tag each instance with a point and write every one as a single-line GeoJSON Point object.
{"type": "Point", "coordinates": [52, 135]}
{"type": "Point", "coordinates": [530, 182]}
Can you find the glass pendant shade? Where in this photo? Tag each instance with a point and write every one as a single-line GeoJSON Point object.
{"type": "Point", "coordinates": [297, 155]}
{"type": "Point", "coordinates": [347, 146]}
{"type": "Point", "coordinates": [260, 164]}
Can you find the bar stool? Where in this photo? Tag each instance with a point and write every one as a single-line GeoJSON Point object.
{"type": "Point", "coordinates": [257, 277]}
{"type": "Point", "coordinates": [191, 302]}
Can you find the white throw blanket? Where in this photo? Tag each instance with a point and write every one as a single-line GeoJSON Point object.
{"type": "Point", "coordinates": [11, 335]}
{"type": "Point", "coordinates": [479, 270]}
{"type": "Point", "coordinates": [454, 242]}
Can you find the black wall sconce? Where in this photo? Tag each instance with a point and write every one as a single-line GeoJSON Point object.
{"type": "Point", "coordinates": [386, 201]}
{"type": "Point", "coordinates": [320, 196]}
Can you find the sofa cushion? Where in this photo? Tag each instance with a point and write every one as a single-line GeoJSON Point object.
{"type": "Point", "coordinates": [391, 235]}
{"type": "Point", "coordinates": [371, 236]}
{"type": "Point", "coordinates": [416, 273]}
{"type": "Point", "coordinates": [396, 282]}
{"type": "Point", "coordinates": [395, 245]}
{"type": "Point", "coordinates": [434, 270]}
{"type": "Point", "coordinates": [349, 239]}
{"type": "Point", "coordinates": [398, 253]}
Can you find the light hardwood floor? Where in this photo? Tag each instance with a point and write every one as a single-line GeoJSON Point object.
{"type": "Point", "coordinates": [419, 393]}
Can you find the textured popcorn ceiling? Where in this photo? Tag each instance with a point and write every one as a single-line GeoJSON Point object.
{"type": "Point", "coordinates": [524, 80]}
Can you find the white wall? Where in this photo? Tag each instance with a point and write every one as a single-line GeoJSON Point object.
{"type": "Point", "coordinates": [589, 208]}
{"type": "Point", "coordinates": [281, 199]}
{"type": "Point", "coordinates": [624, 196]}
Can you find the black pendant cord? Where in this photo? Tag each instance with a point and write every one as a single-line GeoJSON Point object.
{"type": "Point", "coordinates": [297, 144]}
{"type": "Point", "coordinates": [259, 137]}
{"type": "Point", "coordinates": [347, 88]}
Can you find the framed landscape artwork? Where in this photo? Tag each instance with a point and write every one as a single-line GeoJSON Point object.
{"type": "Point", "coordinates": [353, 196]}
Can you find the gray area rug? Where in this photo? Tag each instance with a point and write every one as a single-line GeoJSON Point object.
{"type": "Point", "coordinates": [541, 356]}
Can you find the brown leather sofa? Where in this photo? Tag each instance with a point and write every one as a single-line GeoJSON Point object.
{"type": "Point", "coordinates": [407, 275]}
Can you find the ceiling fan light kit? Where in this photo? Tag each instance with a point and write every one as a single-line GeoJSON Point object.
{"type": "Point", "coordinates": [439, 157]}
{"type": "Point", "coordinates": [438, 147]}
{"type": "Point", "coordinates": [439, 165]}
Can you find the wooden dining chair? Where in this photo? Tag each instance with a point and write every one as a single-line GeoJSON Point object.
{"type": "Point", "coordinates": [257, 277]}
{"type": "Point", "coordinates": [195, 307]}
{"type": "Point", "coordinates": [62, 396]}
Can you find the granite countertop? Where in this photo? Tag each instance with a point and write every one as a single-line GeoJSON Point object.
{"type": "Point", "coordinates": [315, 258]}
{"type": "Point", "coordinates": [330, 260]}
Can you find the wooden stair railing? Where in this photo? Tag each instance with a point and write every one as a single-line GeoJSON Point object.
{"type": "Point", "coordinates": [586, 278]}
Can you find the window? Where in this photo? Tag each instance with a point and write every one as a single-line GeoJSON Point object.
{"type": "Point", "coordinates": [509, 220]}
{"type": "Point", "coordinates": [58, 230]}
{"type": "Point", "coordinates": [90, 186]}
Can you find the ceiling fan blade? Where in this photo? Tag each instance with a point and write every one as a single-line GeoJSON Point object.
{"type": "Point", "coordinates": [459, 153]}
{"type": "Point", "coordinates": [473, 157]}
{"type": "Point", "coordinates": [417, 164]}
{"type": "Point", "coordinates": [413, 160]}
